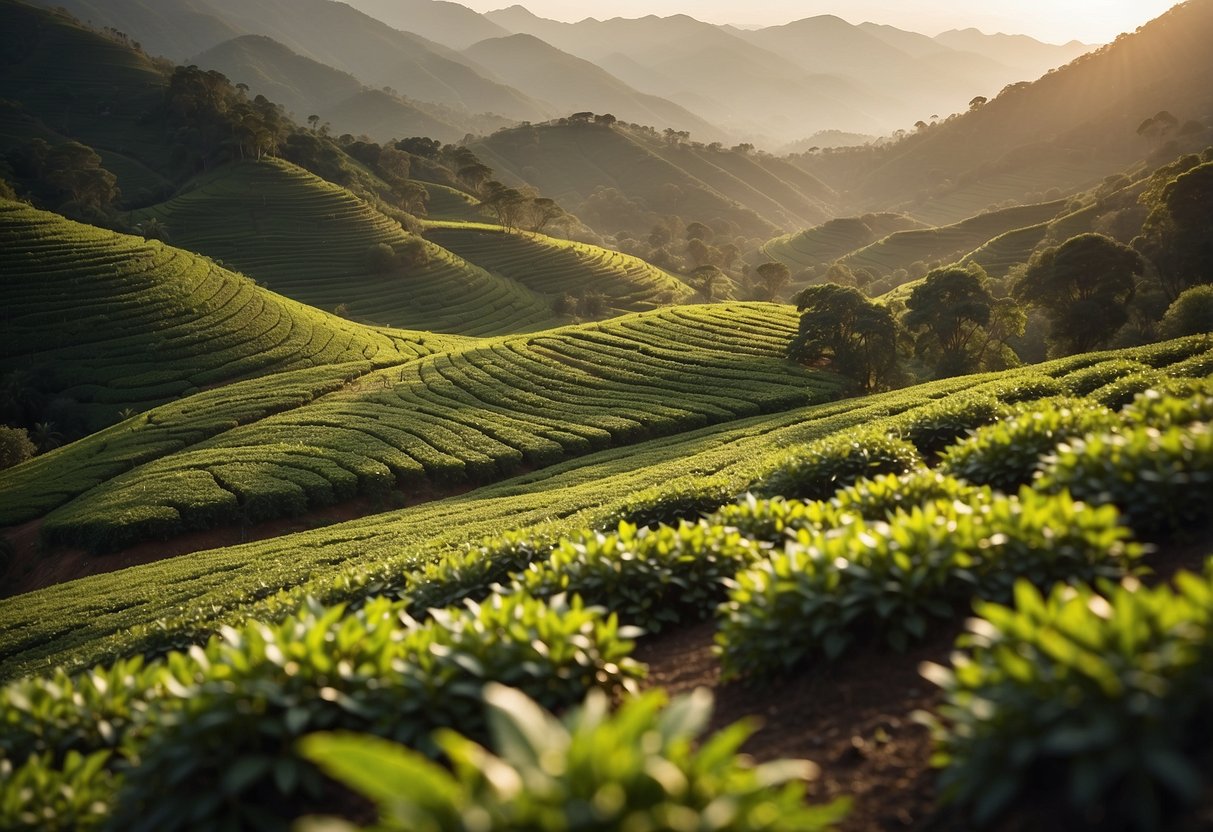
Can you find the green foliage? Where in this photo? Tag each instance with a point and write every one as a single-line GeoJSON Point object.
{"type": "Point", "coordinates": [667, 505]}
{"type": "Point", "coordinates": [41, 795]}
{"type": "Point", "coordinates": [878, 498]}
{"type": "Point", "coordinates": [1178, 234]}
{"type": "Point", "coordinates": [15, 446]}
{"type": "Point", "coordinates": [1175, 402]}
{"type": "Point", "coordinates": [639, 768]}
{"type": "Point", "coordinates": [1084, 287]}
{"type": "Point", "coordinates": [470, 574]}
{"type": "Point", "coordinates": [889, 581]}
{"type": "Point", "coordinates": [1190, 314]}
{"type": "Point", "coordinates": [1085, 381]}
{"type": "Point", "coordinates": [650, 578]}
{"type": "Point", "coordinates": [381, 258]}
{"type": "Point", "coordinates": [223, 748]}
{"type": "Point", "coordinates": [1162, 480]}
{"type": "Point", "coordinates": [815, 471]}
{"type": "Point", "coordinates": [1101, 700]}
{"type": "Point", "coordinates": [842, 329]}
{"type": "Point", "coordinates": [933, 427]}
{"type": "Point", "coordinates": [951, 306]}
{"type": "Point", "coordinates": [1007, 454]}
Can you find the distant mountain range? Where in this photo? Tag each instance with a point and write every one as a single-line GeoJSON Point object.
{"type": "Point", "coordinates": [768, 86]}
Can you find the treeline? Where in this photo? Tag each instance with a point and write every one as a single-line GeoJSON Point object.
{"type": "Point", "coordinates": [1086, 293]}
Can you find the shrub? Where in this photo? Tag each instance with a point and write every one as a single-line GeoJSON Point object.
{"type": "Point", "coordinates": [1116, 394]}
{"type": "Point", "coordinates": [473, 573]}
{"type": "Point", "coordinates": [1175, 402]}
{"type": "Point", "coordinates": [15, 446]}
{"type": "Point", "coordinates": [223, 750]}
{"type": "Point", "coordinates": [636, 769]}
{"type": "Point", "coordinates": [381, 258]}
{"type": "Point", "coordinates": [773, 520]}
{"type": "Point", "coordinates": [888, 581]}
{"type": "Point", "coordinates": [667, 506]}
{"type": "Point", "coordinates": [1006, 455]}
{"type": "Point", "coordinates": [1100, 699]}
{"type": "Point", "coordinates": [1084, 381]}
{"type": "Point", "coordinates": [935, 426]}
{"type": "Point", "coordinates": [44, 796]}
{"type": "Point", "coordinates": [879, 498]}
{"type": "Point", "coordinates": [648, 577]}
{"type": "Point", "coordinates": [1023, 388]}
{"type": "Point", "coordinates": [1161, 480]}
{"type": "Point", "coordinates": [1189, 314]}
{"type": "Point", "coordinates": [817, 470]}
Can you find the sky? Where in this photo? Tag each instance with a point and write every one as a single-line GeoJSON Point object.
{"type": "Point", "coordinates": [1055, 21]}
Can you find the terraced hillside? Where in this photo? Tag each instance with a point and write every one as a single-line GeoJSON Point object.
{"type": "Point", "coordinates": [468, 415]}
{"type": "Point", "coordinates": [153, 607]}
{"type": "Point", "coordinates": [900, 250]}
{"type": "Point", "coordinates": [447, 204]}
{"type": "Point", "coordinates": [115, 322]}
{"type": "Point", "coordinates": [312, 241]}
{"type": "Point", "coordinates": [557, 267]}
{"type": "Point", "coordinates": [825, 243]}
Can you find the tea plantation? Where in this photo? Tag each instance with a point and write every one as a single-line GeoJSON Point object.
{"type": "Point", "coordinates": [869, 521]}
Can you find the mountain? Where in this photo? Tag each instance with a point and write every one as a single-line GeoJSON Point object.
{"type": "Point", "coordinates": [305, 87]}
{"type": "Point", "coordinates": [641, 174]}
{"type": "Point", "coordinates": [1069, 129]}
{"type": "Point", "coordinates": [330, 33]}
{"type": "Point", "coordinates": [575, 85]}
{"type": "Point", "coordinates": [1018, 51]}
{"type": "Point", "coordinates": [450, 24]}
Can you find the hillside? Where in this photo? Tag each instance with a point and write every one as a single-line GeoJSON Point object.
{"type": "Point", "coordinates": [450, 24]}
{"type": "Point", "coordinates": [116, 323]}
{"type": "Point", "coordinates": [473, 414]}
{"type": "Point", "coordinates": [575, 85]}
{"type": "Point", "coordinates": [330, 33]}
{"type": "Point", "coordinates": [1082, 119]}
{"type": "Point", "coordinates": [656, 175]}
{"type": "Point", "coordinates": [825, 243]}
{"type": "Point", "coordinates": [560, 267]}
{"type": "Point", "coordinates": [312, 241]}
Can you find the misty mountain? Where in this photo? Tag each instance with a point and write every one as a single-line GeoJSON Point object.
{"type": "Point", "coordinates": [449, 24]}
{"type": "Point", "coordinates": [574, 85]}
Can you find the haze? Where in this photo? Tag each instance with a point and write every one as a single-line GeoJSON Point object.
{"type": "Point", "coordinates": [1091, 21]}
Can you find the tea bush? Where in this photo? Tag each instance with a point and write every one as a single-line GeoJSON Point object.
{"type": "Point", "coordinates": [1006, 455]}
{"type": "Point", "coordinates": [1101, 699]}
{"type": "Point", "coordinates": [889, 580]}
{"type": "Point", "coordinates": [639, 768]}
{"type": "Point", "coordinates": [816, 470]}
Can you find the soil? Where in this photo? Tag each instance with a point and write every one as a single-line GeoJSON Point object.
{"type": "Point", "coordinates": [855, 719]}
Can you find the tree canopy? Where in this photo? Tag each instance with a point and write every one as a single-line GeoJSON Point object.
{"type": "Point", "coordinates": [949, 309]}
{"type": "Point", "coordinates": [1083, 287]}
{"type": "Point", "coordinates": [842, 329]}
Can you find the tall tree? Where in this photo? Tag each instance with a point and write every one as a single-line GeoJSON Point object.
{"type": "Point", "coordinates": [948, 310]}
{"type": "Point", "coordinates": [842, 329]}
{"type": "Point", "coordinates": [773, 278]}
{"type": "Point", "coordinates": [1178, 233]}
{"type": "Point", "coordinates": [1083, 287]}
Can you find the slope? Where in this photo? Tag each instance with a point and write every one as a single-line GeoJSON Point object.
{"type": "Point", "coordinates": [472, 414]}
{"type": "Point", "coordinates": [575, 85]}
{"type": "Point", "coordinates": [450, 24]}
{"type": "Point", "coordinates": [313, 241]}
{"type": "Point", "coordinates": [562, 267]}
{"type": "Point", "coordinates": [179, 601]}
{"type": "Point", "coordinates": [104, 322]}
{"type": "Point", "coordinates": [825, 243]}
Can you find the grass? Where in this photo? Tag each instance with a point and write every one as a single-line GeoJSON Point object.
{"type": "Point", "coordinates": [114, 321]}
{"type": "Point", "coordinates": [553, 267]}
{"type": "Point", "coordinates": [310, 240]}
{"type": "Point", "coordinates": [87, 620]}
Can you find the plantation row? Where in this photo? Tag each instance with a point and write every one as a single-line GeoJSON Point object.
{"type": "Point", "coordinates": [114, 321]}
{"type": "Point", "coordinates": [903, 248]}
{"type": "Point", "coordinates": [474, 414]}
{"type": "Point", "coordinates": [834, 239]}
{"type": "Point", "coordinates": [797, 582]}
{"type": "Point", "coordinates": [312, 240]}
{"type": "Point", "coordinates": [559, 267]}
{"type": "Point", "coordinates": [178, 601]}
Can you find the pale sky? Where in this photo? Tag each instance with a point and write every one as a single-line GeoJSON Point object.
{"type": "Point", "coordinates": [1056, 21]}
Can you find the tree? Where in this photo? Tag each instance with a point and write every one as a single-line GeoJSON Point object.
{"type": "Point", "coordinates": [76, 171]}
{"type": "Point", "coordinates": [381, 258]}
{"type": "Point", "coordinates": [1177, 236]}
{"type": "Point", "coordinates": [507, 204]}
{"type": "Point", "coordinates": [708, 282]}
{"type": "Point", "coordinates": [773, 278]}
{"type": "Point", "coordinates": [314, 122]}
{"type": "Point", "coordinates": [845, 331]}
{"type": "Point", "coordinates": [15, 446]}
{"type": "Point", "coordinates": [543, 212]}
{"type": "Point", "coordinates": [978, 102]}
{"type": "Point", "coordinates": [1190, 314]}
{"type": "Point", "coordinates": [1084, 287]}
{"type": "Point", "coordinates": [949, 309]}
